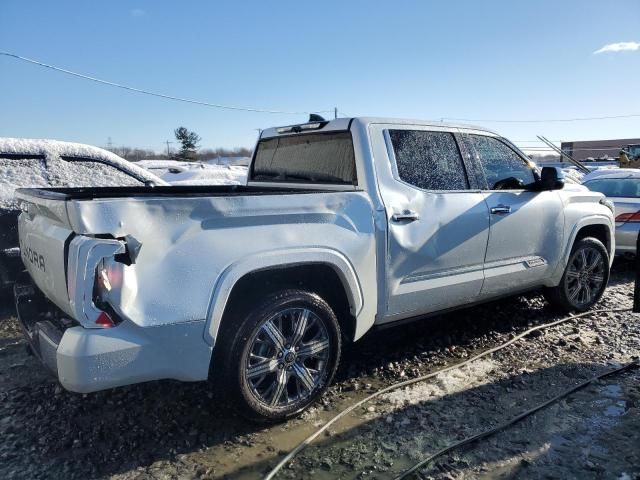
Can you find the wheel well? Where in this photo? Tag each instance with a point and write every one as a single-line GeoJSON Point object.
{"type": "Point", "coordinates": [319, 278]}
{"type": "Point", "coordinates": [601, 232]}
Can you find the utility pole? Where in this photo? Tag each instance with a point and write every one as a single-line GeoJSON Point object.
{"type": "Point", "coordinates": [335, 112]}
{"type": "Point", "coordinates": [168, 151]}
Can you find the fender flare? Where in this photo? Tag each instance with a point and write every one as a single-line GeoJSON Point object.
{"type": "Point", "coordinates": [234, 272]}
{"type": "Point", "coordinates": [596, 219]}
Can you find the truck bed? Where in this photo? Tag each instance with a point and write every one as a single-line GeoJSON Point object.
{"type": "Point", "coordinates": [185, 239]}
{"type": "Point", "coordinates": [88, 193]}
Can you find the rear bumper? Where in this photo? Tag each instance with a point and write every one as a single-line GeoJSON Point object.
{"type": "Point", "coordinates": [88, 360]}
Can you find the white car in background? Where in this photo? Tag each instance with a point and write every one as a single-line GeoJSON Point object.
{"type": "Point", "coordinates": [607, 171]}
{"type": "Point", "coordinates": [622, 187]}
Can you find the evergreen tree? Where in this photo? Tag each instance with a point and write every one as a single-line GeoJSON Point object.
{"type": "Point", "coordinates": [189, 141]}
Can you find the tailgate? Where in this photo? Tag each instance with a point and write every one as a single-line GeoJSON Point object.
{"type": "Point", "coordinates": [44, 232]}
{"type": "Point", "coordinates": [61, 263]}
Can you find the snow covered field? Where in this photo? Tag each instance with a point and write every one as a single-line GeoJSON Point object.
{"type": "Point", "coordinates": [195, 173]}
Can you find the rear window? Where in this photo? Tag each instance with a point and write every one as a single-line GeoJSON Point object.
{"type": "Point", "coordinates": [616, 187]}
{"type": "Point", "coordinates": [17, 171]}
{"type": "Point", "coordinates": [306, 158]}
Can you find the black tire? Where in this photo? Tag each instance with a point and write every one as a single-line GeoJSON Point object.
{"type": "Point", "coordinates": [582, 284]}
{"type": "Point", "coordinates": [254, 368]}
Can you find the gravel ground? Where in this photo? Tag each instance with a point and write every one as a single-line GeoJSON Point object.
{"type": "Point", "coordinates": [164, 430]}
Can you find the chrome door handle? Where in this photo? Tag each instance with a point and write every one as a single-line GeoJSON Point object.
{"type": "Point", "coordinates": [501, 210]}
{"type": "Point", "coordinates": [406, 215]}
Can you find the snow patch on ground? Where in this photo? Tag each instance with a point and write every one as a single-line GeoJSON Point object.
{"type": "Point", "coordinates": [447, 383]}
{"type": "Point", "coordinates": [210, 175]}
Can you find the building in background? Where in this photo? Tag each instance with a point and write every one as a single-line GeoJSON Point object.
{"type": "Point", "coordinates": [597, 149]}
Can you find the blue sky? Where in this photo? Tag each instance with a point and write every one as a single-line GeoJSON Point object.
{"type": "Point", "coordinates": [416, 59]}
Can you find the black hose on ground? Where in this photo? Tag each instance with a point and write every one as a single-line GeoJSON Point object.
{"type": "Point", "coordinates": [522, 416]}
{"type": "Point", "coordinates": [307, 441]}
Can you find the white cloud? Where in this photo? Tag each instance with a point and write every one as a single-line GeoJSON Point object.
{"type": "Point", "coordinates": [619, 47]}
{"type": "Point", "coordinates": [137, 12]}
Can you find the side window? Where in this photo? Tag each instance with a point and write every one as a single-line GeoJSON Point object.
{"type": "Point", "coordinates": [500, 162]}
{"type": "Point", "coordinates": [428, 160]}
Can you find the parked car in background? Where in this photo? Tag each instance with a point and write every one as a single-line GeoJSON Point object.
{"type": "Point", "coordinates": [343, 225]}
{"type": "Point", "coordinates": [606, 171]}
{"type": "Point", "coordinates": [622, 187]}
{"type": "Point", "coordinates": [51, 163]}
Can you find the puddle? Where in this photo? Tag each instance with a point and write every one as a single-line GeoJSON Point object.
{"type": "Point", "coordinates": [608, 408]}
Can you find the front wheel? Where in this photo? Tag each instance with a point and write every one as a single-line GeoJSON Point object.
{"type": "Point", "coordinates": [284, 355]}
{"type": "Point", "coordinates": [585, 277]}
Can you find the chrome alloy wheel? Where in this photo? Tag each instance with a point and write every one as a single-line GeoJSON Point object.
{"type": "Point", "coordinates": [288, 357]}
{"type": "Point", "coordinates": [585, 276]}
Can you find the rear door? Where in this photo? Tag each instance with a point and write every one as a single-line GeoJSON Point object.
{"type": "Point", "coordinates": [527, 228]}
{"type": "Point", "coordinates": [438, 223]}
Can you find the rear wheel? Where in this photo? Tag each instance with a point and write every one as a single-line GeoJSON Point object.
{"type": "Point", "coordinates": [585, 277]}
{"type": "Point", "coordinates": [283, 356]}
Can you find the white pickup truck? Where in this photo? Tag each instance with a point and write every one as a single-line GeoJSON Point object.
{"type": "Point", "coordinates": [343, 225]}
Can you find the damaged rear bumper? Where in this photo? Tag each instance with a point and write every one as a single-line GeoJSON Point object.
{"type": "Point", "coordinates": [88, 360]}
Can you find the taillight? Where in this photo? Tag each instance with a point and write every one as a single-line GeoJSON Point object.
{"type": "Point", "coordinates": [106, 279]}
{"type": "Point", "coordinates": [104, 321]}
{"type": "Point", "coordinates": [628, 217]}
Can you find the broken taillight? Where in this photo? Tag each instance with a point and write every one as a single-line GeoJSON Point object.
{"type": "Point", "coordinates": [628, 217]}
{"type": "Point", "coordinates": [104, 321]}
{"type": "Point", "coordinates": [106, 279]}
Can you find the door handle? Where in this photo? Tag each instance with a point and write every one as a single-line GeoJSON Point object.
{"type": "Point", "coordinates": [501, 210]}
{"type": "Point", "coordinates": [406, 215]}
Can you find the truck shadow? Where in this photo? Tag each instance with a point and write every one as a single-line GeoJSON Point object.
{"type": "Point", "coordinates": [86, 436]}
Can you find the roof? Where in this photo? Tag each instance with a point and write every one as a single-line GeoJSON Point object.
{"type": "Point", "coordinates": [343, 124]}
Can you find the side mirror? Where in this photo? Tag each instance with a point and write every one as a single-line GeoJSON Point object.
{"type": "Point", "coordinates": [551, 179]}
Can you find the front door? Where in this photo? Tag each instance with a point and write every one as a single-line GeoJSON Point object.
{"type": "Point", "coordinates": [438, 226]}
{"type": "Point", "coordinates": [526, 231]}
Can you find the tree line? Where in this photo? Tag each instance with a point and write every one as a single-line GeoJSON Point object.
{"type": "Point", "coordinates": [188, 150]}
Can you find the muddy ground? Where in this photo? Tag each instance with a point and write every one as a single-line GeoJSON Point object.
{"type": "Point", "coordinates": [165, 430]}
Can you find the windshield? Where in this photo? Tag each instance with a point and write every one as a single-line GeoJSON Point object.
{"type": "Point", "coordinates": [307, 158]}
{"type": "Point", "coordinates": [616, 187]}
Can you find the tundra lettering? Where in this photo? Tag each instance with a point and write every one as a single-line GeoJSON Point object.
{"type": "Point", "coordinates": [33, 257]}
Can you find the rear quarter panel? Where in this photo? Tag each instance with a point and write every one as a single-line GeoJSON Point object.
{"type": "Point", "coordinates": [191, 244]}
